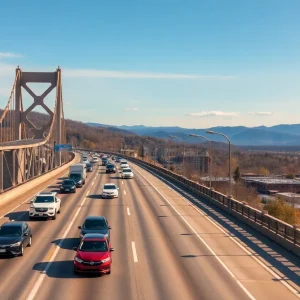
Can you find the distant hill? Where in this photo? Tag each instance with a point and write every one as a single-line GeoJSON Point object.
{"type": "Point", "coordinates": [278, 135]}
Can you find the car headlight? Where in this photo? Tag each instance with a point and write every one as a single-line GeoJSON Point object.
{"type": "Point", "coordinates": [61, 187]}
{"type": "Point", "coordinates": [78, 259]}
{"type": "Point", "coordinates": [16, 244]}
{"type": "Point", "coordinates": [51, 208]}
{"type": "Point", "coordinates": [73, 187]}
{"type": "Point", "coordinates": [105, 260]}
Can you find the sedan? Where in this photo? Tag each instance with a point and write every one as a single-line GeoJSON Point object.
{"type": "Point", "coordinates": [110, 191]}
{"type": "Point", "coordinates": [68, 186]}
{"type": "Point", "coordinates": [14, 237]}
{"type": "Point", "coordinates": [89, 167]}
{"type": "Point", "coordinates": [93, 255]}
{"type": "Point", "coordinates": [95, 224]}
{"type": "Point", "coordinates": [127, 173]}
{"type": "Point", "coordinates": [110, 168]}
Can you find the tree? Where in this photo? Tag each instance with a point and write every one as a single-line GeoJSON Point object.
{"type": "Point", "coordinates": [263, 171]}
{"type": "Point", "coordinates": [237, 174]}
{"type": "Point", "coordinates": [290, 176]}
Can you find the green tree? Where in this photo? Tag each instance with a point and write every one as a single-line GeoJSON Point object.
{"type": "Point", "coordinates": [264, 171]}
{"type": "Point", "coordinates": [237, 174]}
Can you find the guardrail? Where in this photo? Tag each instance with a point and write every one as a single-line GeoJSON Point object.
{"type": "Point", "coordinates": [288, 236]}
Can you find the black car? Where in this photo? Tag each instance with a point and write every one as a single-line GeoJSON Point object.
{"type": "Point", "coordinates": [77, 178]}
{"type": "Point", "coordinates": [14, 237]}
{"type": "Point", "coordinates": [68, 185]}
{"type": "Point", "coordinates": [104, 161]}
{"type": "Point", "coordinates": [89, 167]}
{"type": "Point", "coordinates": [95, 224]}
{"type": "Point", "coordinates": [110, 168]}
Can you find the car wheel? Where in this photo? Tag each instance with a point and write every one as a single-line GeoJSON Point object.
{"type": "Point", "coordinates": [74, 191]}
{"type": "Point", "coordinates": [22, 250]}
{"type": "Point", "coordinates": [30, 242]}
{"type": "Point", "coordinates": [109, 271]}
{"type": "Point", "coordinates": [59, 210]}
{"type": "Point", "coordinates": [54, 217]}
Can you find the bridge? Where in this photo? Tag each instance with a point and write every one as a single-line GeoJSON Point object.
{"type": "Point", "coordinates": [27, 150]}
{"type": "Point", "coordinates": [170, 241]}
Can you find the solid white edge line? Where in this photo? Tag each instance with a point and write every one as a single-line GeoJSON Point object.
{"type": "Point", "coordinates": [281, 279]}
{"type": "Point", "coordinates": [201, 239]}
{"type": "Point", "coordinates": [43, 274]}
{"type": "Point", "coordinates": [128, 211]}
{"type": "Point", "coordinates": [122, 182]}
{"type": "Point", "coordinates": [124, 192]}
{"type": "Point", "coordinates": [135, 258]}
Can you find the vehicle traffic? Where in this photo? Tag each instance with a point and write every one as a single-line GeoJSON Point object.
{"type": "Point", "coordinates": [14, 237]}
{"type": "Point", "coordinates": [45, 205]}
{"type": "Point", "coordinates": [68, 186]}
{"type": "Point", "coordinates": [111, 168]}
{"type": "Point", "coordinates": [127, 173]}
{"type": "Point", "coordinates": [93, 255]}
{"type": "Point", "coordinates": [89, 167]}
{"type": "Point", "coordinates": [110, 191]}
{"type": "Point", "coordinates": [95, 224]}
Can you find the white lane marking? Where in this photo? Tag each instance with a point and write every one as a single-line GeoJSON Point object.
{"type": "Point", "coordinates": [281, 279]}
{"type": "Point", "coordinates": [43, 274]}
{"type": "Point", "coordinates": [93, 183]}
{"type": "Point", "coordinates": [128, 211]}
{"type": "Point", "coordinates": [124, 192]}
{"type": "Point", "coordinates": [87, 193]}
{"type": "Point", "coordinates": [30, 197]}
{"type": "Point", "coordinates": [201, 239]}
{"type": "Point", "coordinates": [135, 258]}
{"type": "Point", "coordinates": [122, 182]}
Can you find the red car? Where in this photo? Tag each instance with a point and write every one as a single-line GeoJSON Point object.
{"type": "Point", "coordinates": [93, 254]}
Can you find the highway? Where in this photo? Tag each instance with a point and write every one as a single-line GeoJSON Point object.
{"type": "Point", "coordinates": [165, 248]}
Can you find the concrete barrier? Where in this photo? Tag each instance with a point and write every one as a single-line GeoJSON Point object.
{"type": "Point", "coordinates": [35, 185]}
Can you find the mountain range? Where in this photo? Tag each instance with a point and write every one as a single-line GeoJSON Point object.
{"type": "Point", "coordinates": [277, 135]}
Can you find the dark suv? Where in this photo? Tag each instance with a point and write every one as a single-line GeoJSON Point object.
{"type": "Point", "coordinates": [110, 168]}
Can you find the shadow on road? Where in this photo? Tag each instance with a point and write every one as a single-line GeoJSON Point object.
{"type": "Point", "coordinates": [95, 196]}
{"type": "Point", "coordinates": [260, 246]}
{"type": "Point", "coordinates": [18, 215]}
{"type": "Point", "coordinates": [61, 269]}
{"type": "Point", "coordinates": [67, 243]}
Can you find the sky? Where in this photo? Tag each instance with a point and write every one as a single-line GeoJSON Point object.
{"type": "Point", "coordinates": [194, 64]}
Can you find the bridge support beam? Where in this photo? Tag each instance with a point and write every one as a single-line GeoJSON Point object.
{"type": "Point", "coordinates": [18, 105]}
{"type": "Point", "coordinates": [58, 118]}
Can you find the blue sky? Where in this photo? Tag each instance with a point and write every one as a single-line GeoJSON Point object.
{"type": "Point", "coordinates": [161, 63]}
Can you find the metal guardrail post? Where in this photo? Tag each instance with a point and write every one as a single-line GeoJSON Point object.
{"type": "Point", "coordinates": [296, 228]}
{"type": "Point", "coordinates": [229, 199]}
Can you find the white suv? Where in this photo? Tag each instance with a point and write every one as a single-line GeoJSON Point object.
{"type": "Point", "coordinates": [127, 173]}
{"type": "Point", "coordinates": [45, 205]}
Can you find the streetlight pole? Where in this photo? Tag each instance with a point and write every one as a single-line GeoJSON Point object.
{"type": "Point", "coordinates": [229, 155]}
{"type": "Point", "coordinates": [178, 137]}
{"type": "Point", "coordinates": [210, 154]}
{"type": "Point", "coordinates": [142, 146]}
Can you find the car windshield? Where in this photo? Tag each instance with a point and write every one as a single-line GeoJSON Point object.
{"type": "Point", "coordinates": [109, 166]}
{"type": "Point", "coordinates": [75, 176]}
{"type": "Point", "coordinates": [109, 187]}
{"type": "Point", "coordinates": [95, 224]}
{"type": "Point", "coordinates": [68, 182]}
{"type": "Point", "coordinates": [123, 163]}
{"type": "Point", "coordinates": [44, 199]}
{"type": "Point", "coordinates": [93, 246]}
{"type": "Point", "coordinates": [126, 170]}
{"type": "Point", "coordinates": [10, 231]}
{"type": "Point", "coordinates": [88, 165]}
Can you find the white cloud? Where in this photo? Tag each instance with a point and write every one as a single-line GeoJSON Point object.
{"type": "Point", "coordinates": [131, 109]}
{"type": "Point", "coordinates": [214, 114]}
{"type": "Point", "coordinates": [261, 113]}
{"type": "Point", "coordinates": [9, 55]}
{"type": "Point", "coordinates": [91, 73]}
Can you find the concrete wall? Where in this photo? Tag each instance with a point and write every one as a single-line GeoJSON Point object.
{"type": "Point", "coordinates": [36, 184]}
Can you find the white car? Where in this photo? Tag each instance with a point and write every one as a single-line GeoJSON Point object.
{"type": "Point", "coordinates": [45, 205]}
{"type": "Point", "coordinates": [124, 165]}
{"type": "Point", "coordinates": [110, 191]}
{"type": "Point", "coordinates": [127, 173]}
{"type": "Point", "coordinates": [95, 159]}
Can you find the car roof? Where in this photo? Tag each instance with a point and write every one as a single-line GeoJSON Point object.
{"type": "Point", "coordinates": [47, 194]}
{"type": "Point", "coordinates": [13, 223]}
{"type": "Point", "coordinates": [95, 236]}
{"type": "Point", "coordinates": [95, 218]}
{"type": "Point", "coordinates": [106, 184]}
{"type": "Point", "coordinates": [126, 169]}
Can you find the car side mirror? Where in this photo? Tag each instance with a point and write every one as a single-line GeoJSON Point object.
{"type": "Point", "coordinates": [26, 234]}
{"type": "Point", "coordinates": [118, 188]}
{"type": "Point", "coordinates": [112, 249]}
{"type": "Point", "coordinates": [75, 249]}
{"type": "Point", "coordinates": [79, 227]}
{"type": "Point", "coordinates": [109, 227]}
{"type": "Point", "coordinates": [31, 201]}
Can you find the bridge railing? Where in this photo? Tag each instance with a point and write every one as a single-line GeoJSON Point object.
{"type": "Point", "coordinates": [288, 236]}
